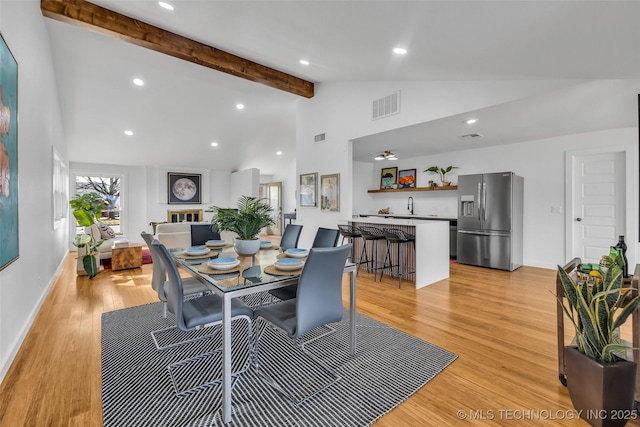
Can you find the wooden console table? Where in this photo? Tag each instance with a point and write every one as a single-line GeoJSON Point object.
{"type": "Point", "coordinates": [634, 283]}
{"type": "Point", "coordinates": [126, 257]}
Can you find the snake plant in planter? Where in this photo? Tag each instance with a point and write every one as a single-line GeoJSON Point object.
{"type": "Point", "coordinates": [597, 309]}
{"type": "Point", "coordinates": [252, 215]}
{"type": "Point", "coordinates": [86, 208]}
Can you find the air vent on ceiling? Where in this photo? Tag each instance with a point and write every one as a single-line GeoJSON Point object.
{"type": "Point", "coordinates": [471, 136]}
{"type": "Point", "coordinates": [319, 137]}
{"type": "Point", "coordinates": [386, 106]}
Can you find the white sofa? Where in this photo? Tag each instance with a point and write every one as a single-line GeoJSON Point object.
{"type": "Point", "coordinates": [105, 247]}
{"type": "Point", "coordinates": [178, 234]}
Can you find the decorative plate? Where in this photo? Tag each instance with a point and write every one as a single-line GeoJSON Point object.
{"type": "Point", "coordinates": [215, 243]}
{"type": "Point", "coordinates": [297, 252]}
{"type": "Point", "coordinates": [288, 264]}
{"type": "Point", "coordinates": [196, 250]}
{"type": "Point", "coordinates": [224, 263]}
{"type": "Point", "coordinates": [265, 244]}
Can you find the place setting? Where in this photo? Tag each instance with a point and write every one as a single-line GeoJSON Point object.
{"type": "Point", "coordinates": [285, 267]}
{"type": "Point", "coordinates": [217, 244]}
{"type": "Point", "coordinates": [196, 252]}
{"type": "Point", "coordinates": [223, 265]}
{"type": "Point", "coordinates": [296, 253]}
{"type": "Point", "coordinates": [267, 244]}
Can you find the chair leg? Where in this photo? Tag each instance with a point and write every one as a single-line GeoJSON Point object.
{"type": "Point", "coordinates": [400, 262]}
{"type": "Point", "coordinates": [363, 256]}
{"type": "Point", "coordinates": [301, 345]}
{"type": "Point", "coordinates": [186, 362]}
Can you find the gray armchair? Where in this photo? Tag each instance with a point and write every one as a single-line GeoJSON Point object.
{"type": "Point", "coordinates": [318, 303]}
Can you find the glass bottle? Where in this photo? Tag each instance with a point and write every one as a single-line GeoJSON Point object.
{"type": "Point", "coordinates": [622, 246]}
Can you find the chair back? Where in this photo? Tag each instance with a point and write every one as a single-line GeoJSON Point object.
{"type": "Point", "coordinates": [202, 233]}
{"type": "Point", "coordinates": [319, 297]}
{"type": "Point", "coordinates": [290, 236]}
{"type": "Point", "coordinates": [159, 273]}
{"type": "Point", "coordinates": [173, 287]}
{"type": "Point", "coordinates": [326, 238]}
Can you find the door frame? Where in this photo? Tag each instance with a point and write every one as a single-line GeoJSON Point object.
{"type": "Point", "coordinates": [630, 197]}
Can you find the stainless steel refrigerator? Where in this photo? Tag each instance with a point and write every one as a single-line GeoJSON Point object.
{"type": "Point", "coordinates": [490, 217]}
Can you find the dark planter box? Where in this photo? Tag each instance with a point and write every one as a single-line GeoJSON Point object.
{"type": "Point", "coordinates": [602, 393]}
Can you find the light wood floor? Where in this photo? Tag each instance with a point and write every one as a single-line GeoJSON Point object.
{"type": "Point", "coordinates": [501, 325]}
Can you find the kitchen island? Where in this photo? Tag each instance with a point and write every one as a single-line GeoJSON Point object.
{"type": "Point", "coordinates": [431, 256]}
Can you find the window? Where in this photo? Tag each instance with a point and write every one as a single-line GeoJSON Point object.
{"type": "Point", "coordinates": [109, 188]}
{"type": "Point", "coordinates": [60, 192]}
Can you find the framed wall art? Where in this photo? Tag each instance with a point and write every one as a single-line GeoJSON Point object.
{"type": "Point", "coordinates": [388, 178]}
{"type": "Point", "coordinates": [308, 189]}
{"type": "Point", "coordinates": [407, 178]}
{"type": "Point", "coordinates": [330, 192]}
{"type": "Point", "coordinates": [9, 243]}
{"type": "Point", "coordinates": [183, 188]}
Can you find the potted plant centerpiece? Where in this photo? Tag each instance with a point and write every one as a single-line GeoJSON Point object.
{"type": "Point", "coordinates": [601, 382]}
{"type": "Point", "coordinates": [86, 208]}
{"type": "Point", "coordinates": [252, 215]}
{"type": "Point", "coordinates": [442, 172]}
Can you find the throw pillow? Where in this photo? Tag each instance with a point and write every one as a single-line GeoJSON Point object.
{"type": "Point", "coordinates": [106, 232]}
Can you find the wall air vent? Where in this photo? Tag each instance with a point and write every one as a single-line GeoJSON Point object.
{"type": "Point", "coordinates": [386, 106]}
{"type": "Point", "coordinates": [319, 137]}
{"type": "Point", "coordinates": [471, 136]}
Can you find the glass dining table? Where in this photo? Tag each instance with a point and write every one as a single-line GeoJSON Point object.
{"type": "Point", "coordinates": [253, 275]}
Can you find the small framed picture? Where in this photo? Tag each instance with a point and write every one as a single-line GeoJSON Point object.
{"type": "Point", "coordinates": [308, 189]}
{"type": "Point", "coordinates": [407, 178]}
{"type": "Point", "coordinates": [388, 178]}
{"type": "Point", "coordinates": [183, 188]}
{"type": "Point", "coordinates": [330, 192]}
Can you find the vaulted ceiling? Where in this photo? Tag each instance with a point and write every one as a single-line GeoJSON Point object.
{"type": "Point", "coordinates": [183, 107]}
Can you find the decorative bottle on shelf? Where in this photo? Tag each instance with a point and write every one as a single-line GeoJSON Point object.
{"type": "Point", "coordinates": [622, 246]}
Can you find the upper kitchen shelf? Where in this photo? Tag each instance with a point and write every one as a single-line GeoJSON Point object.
{"type": "Point", "coordinates": [400, 190]}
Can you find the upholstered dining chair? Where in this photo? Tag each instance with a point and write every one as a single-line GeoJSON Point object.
{"type": "Point", "coordinates": [191, 286]}
{"type": "Point", "coordinates": [318, 303]}
{"type": "Point", "coordinates": [325, 238]}
{"type": "Point", "coordinates": [197, 313]}
{"type": "Point", "coordinates": [290, 236]}
{"type": "Point", "coordinates": [202, 233]}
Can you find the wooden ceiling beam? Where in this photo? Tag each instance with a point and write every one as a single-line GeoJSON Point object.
{"type": "Point", "coordinates": [90, 16]}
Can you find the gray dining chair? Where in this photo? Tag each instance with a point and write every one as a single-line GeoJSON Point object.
{"type": "Point", "coordinates": [202, 233]}
{"type": "Point", "coordinates": [318, 303]}
{"type": "Point", "coordinates": [196, 314]}
{"type": "Point", "coordinates": [325, 238]}
{"type": "Point", "coordinates": [191, 286]}
{"type": "Point", "coordinates": [290, 236]}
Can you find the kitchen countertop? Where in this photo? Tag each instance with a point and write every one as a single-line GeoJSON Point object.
{"type": "Point", "coordinates": [399, 216]}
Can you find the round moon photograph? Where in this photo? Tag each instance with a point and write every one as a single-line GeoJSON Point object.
{"type": "Point", "coordinates": [184, 189]}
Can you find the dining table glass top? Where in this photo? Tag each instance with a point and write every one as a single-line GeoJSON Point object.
{"type": "Point", "coordinates": [250, 271]}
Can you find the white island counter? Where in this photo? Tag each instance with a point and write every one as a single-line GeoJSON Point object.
{"type": "Point", "coordinates": [431, 256]}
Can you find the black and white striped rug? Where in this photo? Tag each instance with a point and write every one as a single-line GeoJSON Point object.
{"type": "Point", "coordinates": [137, 389]}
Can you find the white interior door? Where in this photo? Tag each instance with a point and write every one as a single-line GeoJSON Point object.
{"type": "Point", "coordinates": [272, 191]}
{"type": "Point", "coordinates": [598, 209]}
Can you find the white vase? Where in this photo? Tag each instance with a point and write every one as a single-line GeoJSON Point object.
{"type": "Point", "coordinates": [246, 247]}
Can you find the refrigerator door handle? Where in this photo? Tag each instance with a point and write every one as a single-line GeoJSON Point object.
{"type": "Point", "coordinates": [485, 233]}
{"type": "Point", "coordinates": [484, 202]}
{"type": "Point", "coordinates": [479, 202]}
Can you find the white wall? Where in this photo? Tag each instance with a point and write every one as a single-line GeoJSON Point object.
{"type": "Point", "coordinates": [342, 112]}
{"type": "Point", "coordinates": [24, 284]}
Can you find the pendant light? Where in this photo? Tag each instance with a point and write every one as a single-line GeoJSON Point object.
{"type": "Point", "coordinates": [387, 155]}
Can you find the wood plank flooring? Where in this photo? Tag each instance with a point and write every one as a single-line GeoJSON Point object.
{"type": "Point", "coordinates": [501, 325]}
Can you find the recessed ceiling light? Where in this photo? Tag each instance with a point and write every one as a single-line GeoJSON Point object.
{"type": "Point", "coordinates": [138, 82]}
{"type": "Point", "coordinates": [128, 132]}
{"type": "Point", "coordinates": [279, 153]}
{"type": "Point", "coordinates": [214, 144]}
{"type": "Point", "coordinates": [400, 51]}
{"type": "Point", "coordinates": [471, 121]}
{"type": "Point", "coordinates": [240, 106]}
{"type": "Point", "coordinates": [304, 62]}
{"type": "Point", "coordinates": [165, 5]}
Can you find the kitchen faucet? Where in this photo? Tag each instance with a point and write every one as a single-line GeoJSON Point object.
{"type": "Point", "coordinates": [410, 205]}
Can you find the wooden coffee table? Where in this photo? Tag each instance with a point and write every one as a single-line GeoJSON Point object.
{"type": "Point", "coordinates": [126, 257]}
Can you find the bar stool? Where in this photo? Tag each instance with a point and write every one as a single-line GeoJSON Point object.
{"type": "Point", "coordinates": [349, 232]}
{"type": "Point", "coordinates": [370, 234]}
{"type": "Point", "coordinates": [399, 237]}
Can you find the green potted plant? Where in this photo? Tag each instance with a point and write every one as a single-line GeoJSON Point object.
{"type": "Point", "coordinates": [86, 208]}
{"type": "Point", "coordinates": [442, 172]}
{"type": "Point", "coordinates": [601, 383]}
{"type": "Point", "coordinates": [252, 215]}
